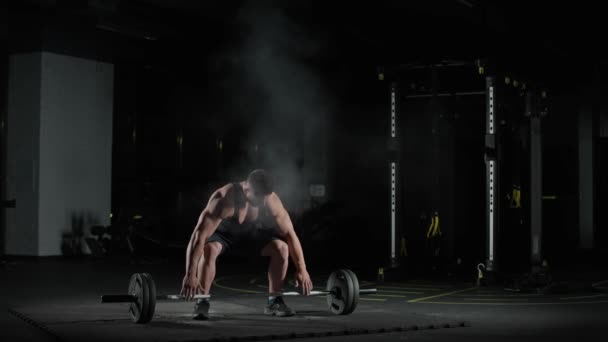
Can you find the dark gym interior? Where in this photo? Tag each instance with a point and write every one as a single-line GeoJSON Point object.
{"type": "Point", "coordinates": [437, 169]}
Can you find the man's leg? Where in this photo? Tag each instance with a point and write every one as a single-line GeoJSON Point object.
{"type": "Point", "coordinates": [206, 268]}
{"type": "Point", "coordinates": [206, 273]}
{"type": "Point", "coordinates": [278, 251]}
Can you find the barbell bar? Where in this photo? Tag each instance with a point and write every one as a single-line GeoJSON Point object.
{"type": "Point", "coordinates": [342, 295]}
{"type": "Point", "coordinates": [133, 298]}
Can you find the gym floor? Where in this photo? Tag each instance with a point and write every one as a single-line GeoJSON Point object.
{"type": "Point", "coordinates": [58, 299]}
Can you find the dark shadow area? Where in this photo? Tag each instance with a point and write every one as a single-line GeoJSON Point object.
{"type": "Point", "coordinates": [6, 203]}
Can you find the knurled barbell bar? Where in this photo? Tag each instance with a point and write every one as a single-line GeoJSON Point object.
{"type": "Point", "coordinates": [342, 293]}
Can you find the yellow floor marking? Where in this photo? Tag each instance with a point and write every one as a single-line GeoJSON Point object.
{"type": "Point", "coordinates": [409, 288]}
{"type": "Point", "coordinates": [522, 299]}
{"type": "Point", "coordinates": [499, 296]}
{"type": "Point", "coordinates": [579, 297]}
{"type": "Point", "coordinates": [441, 295]}
{"type": "Point", "coordinates": [442, 286]}
{"type": "Point", "coordinates": [527, 303]}
{"type": "Point", "coordinates": [402, 292]}
{"type": "Point", "coordinates": [216, 283]}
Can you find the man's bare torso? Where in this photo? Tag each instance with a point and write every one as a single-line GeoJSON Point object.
{"type": "Point", "coordinates": [234, 197]}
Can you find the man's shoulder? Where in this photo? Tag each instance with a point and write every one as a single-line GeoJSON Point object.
{"type": "Point", "coordinates": [229, 194]}
{"type": "Point", "coordinates": [273, 196]}
{"type": "Point", "coordinates": [273, 203]}
{"type": "Point", "coordinates": [221, 200]}
{"type": "Point", "coordinates": [226, 190]}
{"type": "Point", "coordinates": [220, 194]}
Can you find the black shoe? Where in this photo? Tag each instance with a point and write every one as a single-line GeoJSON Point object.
{"type": "Point", "coordinates": [201, 310]}
{"type": "Point", "coordinates": [278, 308]}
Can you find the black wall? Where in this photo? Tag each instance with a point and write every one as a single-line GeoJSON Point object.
{"type": "Point", "coordinates": [3, 139]}
{"type": "Point", "coordinates": [190, 84]}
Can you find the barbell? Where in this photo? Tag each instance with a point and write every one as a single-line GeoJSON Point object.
{"type": "Point", "coordinates": [342, 292]}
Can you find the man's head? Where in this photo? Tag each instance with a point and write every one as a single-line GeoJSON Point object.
{"type": "Point", "coordinates": [259, 185]}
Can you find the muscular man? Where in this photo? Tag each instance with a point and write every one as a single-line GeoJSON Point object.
{"type": "Point", "coordinates": [245, 214]}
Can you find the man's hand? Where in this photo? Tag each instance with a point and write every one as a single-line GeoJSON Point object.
{"type": "Point", "coordinates": [191, 286]}
{"type": "Point", "coordinates": [303, 279]}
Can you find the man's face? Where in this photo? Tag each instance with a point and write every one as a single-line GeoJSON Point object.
{"type": "Point", "coordinates": [254, 198]}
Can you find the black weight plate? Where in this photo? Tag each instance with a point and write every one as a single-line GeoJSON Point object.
{"type": "Point", "coordinates": [355, 293]}
{"type": "Point", "coordinates": [138, 287]}
{"type": "Point", "coordinates": [340, 299]}
{"type": "Point", "coordinates": [149, 313]}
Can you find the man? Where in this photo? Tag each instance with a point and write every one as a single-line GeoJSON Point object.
{"type": "Point", "coordinates": [240, 215]}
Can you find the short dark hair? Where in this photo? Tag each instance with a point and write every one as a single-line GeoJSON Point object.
{"type": "Point", "coordinates": [260, 182]}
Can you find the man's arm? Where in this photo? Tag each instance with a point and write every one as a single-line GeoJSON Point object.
{"type": "Point", "coordinates": [285, 228]}
{"type": "Point", "coordinates": [207, 223]}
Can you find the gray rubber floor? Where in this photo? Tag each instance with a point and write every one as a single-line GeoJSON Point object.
{"type": "Point", "coordinates": [59, 300]}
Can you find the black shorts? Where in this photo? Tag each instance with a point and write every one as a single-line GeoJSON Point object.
{"type": "Point", "coordinates": [247, 238]}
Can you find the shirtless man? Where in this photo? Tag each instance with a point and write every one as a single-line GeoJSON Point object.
{"type": "Point", "coordinates": [246, 213]}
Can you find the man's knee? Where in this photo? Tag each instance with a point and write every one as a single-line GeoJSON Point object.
{"type": "Point", "coordinates": [280, 249]}
{"type": "Point", "coordinates": [212, 251]}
